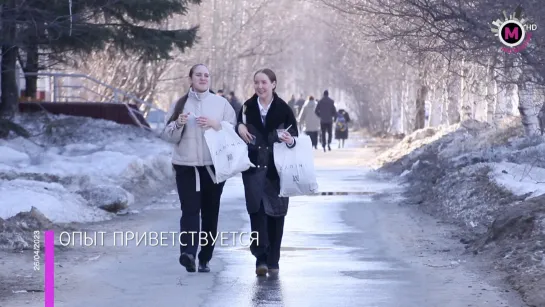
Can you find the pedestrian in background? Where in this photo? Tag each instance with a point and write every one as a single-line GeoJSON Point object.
{"type": "Point", "coordinates": [310, 121]}
{"type": "Point", "coordinates": [327, 113]}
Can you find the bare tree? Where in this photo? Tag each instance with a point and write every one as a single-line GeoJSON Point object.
{"type": "Point", "coordinates": [461, 74]}
{"type": "Point", "coordinates": [398, 65]}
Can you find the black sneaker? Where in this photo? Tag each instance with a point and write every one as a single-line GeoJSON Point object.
{"type": "Point", "coordinates": [188, 261]}
{"type": "Point", "coordinates": [203, 267]}
{"type": "Point", "coordinates": [261, 270]}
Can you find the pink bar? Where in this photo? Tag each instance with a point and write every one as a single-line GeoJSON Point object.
{"type": "Point", "coordinates": [49, 272]}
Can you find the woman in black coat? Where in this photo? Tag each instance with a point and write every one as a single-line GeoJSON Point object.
{"type": "Point", "coordinates": [258, 121]}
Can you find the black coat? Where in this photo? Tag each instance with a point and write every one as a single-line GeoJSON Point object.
{"type": "Point", "coordinates": [262, 183]}
{"type": "Point", "coordinates": [326, 110]}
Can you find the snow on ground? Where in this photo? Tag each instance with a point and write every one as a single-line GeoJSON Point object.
{"type": "Point", "coordinates": [58, 204]}
{"type": "Point", "coordinates": [69, 160]}
{"type": "Point", "coordinates": [490, 181]}
{"type": "Point", "coordinates": [519, 179]}
{"type": "Point", "coordinates": [517, 163]}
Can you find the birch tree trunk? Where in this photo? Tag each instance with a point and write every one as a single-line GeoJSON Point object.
{"type": "Point", "coordinates": [491, 93]}
{"type": "Point", "coordinates": [436, 106]}
{"type": "Point", "coordinates": [512, 96]}
{"type": "Point", "coordinates": [454, 90]}
{"type": "Point", "coordinates": [396, 116]}
{"type": "Point", "coordinates": [478, 93]}
{"type": "Point", "coordinates": [512, 99]}
{"type": "Point", "coordinates": [411, 105]}
{"type": "Point", "coordinates": [214, 45]}
{"type": "Point", "coordinates": [501, 98]}
{"type": "Point", "coordinates": [444, 102]}
{"type": "Point", "coordinates": [405, 103]}
{"type": "Point", "coordinates": [420, 105]}
{"type": "Point", "coordinates": [421, 97]}
{"type": "Point", "coordinates": [541, 114]}
{"type": "Point", "coordinates": [528, 107]}
{"type": "Point", "coordinates": [465, 106]}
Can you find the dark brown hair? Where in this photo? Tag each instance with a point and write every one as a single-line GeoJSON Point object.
{"type": "Point", "coordinates": [269, 73]}
{"type": "Point", "coordinates": [311, 97]}
{"type": "Point", "coordinates": [180, 104]}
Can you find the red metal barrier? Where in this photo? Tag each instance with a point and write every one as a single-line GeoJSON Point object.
{"type": "Point", "coordinates": [116, 112]}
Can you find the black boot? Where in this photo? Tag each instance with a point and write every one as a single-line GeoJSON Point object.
{"type": "Point", "coordinates": [203, 267]}
{"type": "Point", "coordinates": [188, 261]}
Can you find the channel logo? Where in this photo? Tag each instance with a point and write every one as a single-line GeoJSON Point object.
{"type": "Point", "coordinates": [514, 32]}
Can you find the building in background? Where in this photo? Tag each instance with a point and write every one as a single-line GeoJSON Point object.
{"type": "Point", "coordinates": [43, 92]}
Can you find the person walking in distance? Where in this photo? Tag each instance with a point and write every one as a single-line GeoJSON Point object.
{"type": "Point", "coordinates": [327, 113]}
{"type": "Point", "coordinates": [233, 100]}
{"type": "Point", "coordinates": [310, 121]}
{"type": "Point", "coordinates": [299, 105]}
{"type": "Point", "coordinates": [265, 119]}
{"type": "Point", "coordinates": [341, 127]}
{"type": "Point", "coordinates": [291, 103]}
{"type": "Point", "coordinates": [187, 120]}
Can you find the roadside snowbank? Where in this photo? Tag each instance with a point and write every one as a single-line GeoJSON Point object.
{"type": "Point", "coordinates": [517, 163]}
{"type": "Point", "coordinates": [56, 202]}
{"type": "Point", "coordinates": [520, 179]}
{"type": "Point", "coordinates": [487, 180]}
{"type": "Point", "coordinates": [77, 169]}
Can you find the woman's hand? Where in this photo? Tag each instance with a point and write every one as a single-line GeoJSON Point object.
{"type": "Point", "coordinates": [182, 119]}
{"type": "Point", "coordinates": [244, 133]}
{"type": "Point", "coordinates": [206, 122]}
{"type": "Point", "coordinates": [286, 138]}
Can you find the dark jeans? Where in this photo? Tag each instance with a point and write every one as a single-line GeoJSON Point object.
{"type": "Point", "coordinates": [313, 137]}
{"type": "Point", "coordinates": [266, 248]}
{"type": "Point", "coordinates": [206, 202]}
{"type": "Point", "coordinates": [327, 127]}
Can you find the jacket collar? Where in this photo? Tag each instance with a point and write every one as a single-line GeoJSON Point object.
{"type": "Point", "coordinates": [254, 107]}
{"type": "Point", "coordinates": [275, 99]}
{"type": "Point", "coordinates": [197, 95]}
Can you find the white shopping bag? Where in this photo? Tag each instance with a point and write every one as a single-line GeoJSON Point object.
{"type": "Point", "coordinates": [295, 167]}
{"type": "Point", "coordinates": [229, 152]}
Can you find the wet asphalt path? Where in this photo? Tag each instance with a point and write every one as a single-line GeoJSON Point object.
{"type": "Point", "coordinates": [338, 250]}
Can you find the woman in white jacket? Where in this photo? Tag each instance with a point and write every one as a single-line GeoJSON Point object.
{"type": "Point", "coordinates": [198, 192]}
{"type": "Point", "coordinates": [309, 121]}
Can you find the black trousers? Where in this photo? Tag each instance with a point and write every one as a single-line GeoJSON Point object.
{"type": "Point", "coordinates": [313, 137]}
{"type": "Point", "coordinates": [270, 230]}
{"type": "Point", "coordinates": [327, 127]}
{"type": "Point", "coordinates": [193, 203]}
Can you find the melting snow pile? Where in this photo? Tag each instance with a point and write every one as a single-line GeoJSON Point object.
{"type": "Point", "coordinates": [489, 180]}
{"type": "Point", "coordinates": [76, 169]}
{"type": "Point", "coordinates": [516, 163]}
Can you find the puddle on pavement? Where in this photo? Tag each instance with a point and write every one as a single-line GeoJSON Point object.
{"type": "Point", "coordinates": [343, 193]}
{"type": "Point", "coordinates": [392, 275]}
{"type": "Point", "coordinates": [294, 249]}
{"type": "Point", "coordinates": [28, 291]}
